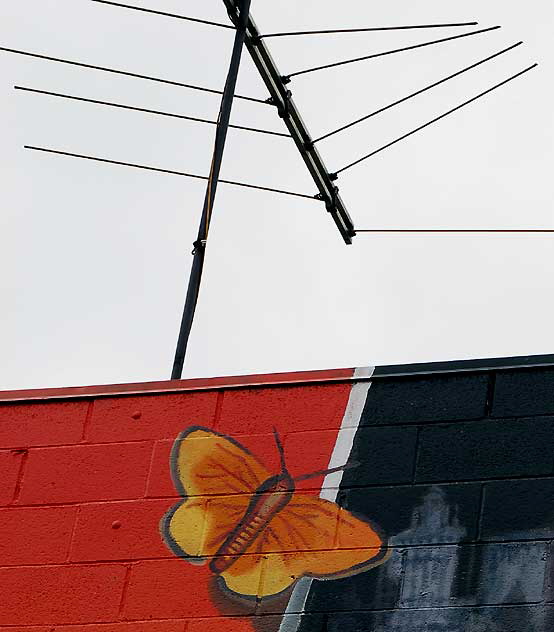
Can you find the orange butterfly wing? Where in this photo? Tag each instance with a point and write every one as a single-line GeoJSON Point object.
{"type": "Point", "coordinates": [205, 463]}
{"type": "Point", "coordinates": [310, 537]}
{"type": "Point", "coordinates": [217, 476]}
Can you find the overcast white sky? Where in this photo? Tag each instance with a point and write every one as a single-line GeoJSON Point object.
{"type": "Point", "coordinates": [95, 258]}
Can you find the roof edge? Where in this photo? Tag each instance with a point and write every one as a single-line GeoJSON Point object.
{"type": "Point", "coordinates": [279, 379]}
{"type": "Point", "coordinates": [178, 386]}
{"type": "Point", "coordinates": [465, 366]}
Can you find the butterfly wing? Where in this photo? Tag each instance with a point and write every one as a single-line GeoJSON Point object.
{"type": "Point", "coordinates": [244, 577]}
{"type": "Point", "coordinates": [310, 537]}
{"type": "Point", "coordinates": [205, 463]}
{"type": "Point", "coordinates": [217, 476]}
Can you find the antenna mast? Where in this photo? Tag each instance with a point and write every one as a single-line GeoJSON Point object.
{"type": "Point", "coordinates": [242, 12]}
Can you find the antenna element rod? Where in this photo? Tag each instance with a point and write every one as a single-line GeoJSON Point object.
{"type": "Point", "coordinates": [417, 93]}
{"type": "Point", "coordinates": [366, 30]}
{"type": "Point", "coordinates": [455, 230]}
{"type": "Point", "coordinates": [133, 108]}
{"type": "Point", "coordinates": [390, 52]}
{"type": "Point", "coordinates": [164, 13]}
{"type": "Point", "coordinates": [436, 119]}
{"type": "Point", "coordinates": [171, 172]}
{"type": "Point", "coordinates": [123, 73]}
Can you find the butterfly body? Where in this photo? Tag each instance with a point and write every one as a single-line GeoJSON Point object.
{"type": "Point", "coordinates": [267, 501]}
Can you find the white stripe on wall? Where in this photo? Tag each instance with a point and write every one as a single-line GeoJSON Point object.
{"type": "Point", "coordinates": [341, 454]}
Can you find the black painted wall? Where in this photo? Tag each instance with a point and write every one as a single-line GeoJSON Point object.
{"type": "Point", "coordinates": [458, 469]}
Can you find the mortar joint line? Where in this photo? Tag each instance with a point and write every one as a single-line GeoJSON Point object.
{"type": "Point", "coordinates": [77, 509]}
{"type": "Point", "coordinates": [546, 586]}
{"type": "Point", "coordinates": [481, 512]}
{"type": "Point", "coordinates": [88, 419]}
{"type": "Point", "coordinates": [20, 475]}
{"type": "Point", "coordinates": [126, 582]}
{"type": "Point", "coordinates": [403, 557]}
{"type": "Point", "coordinates": [416, 454]}
{"type": "Point", "coordinates": [150, 473]}
{"type": "Point", "coordinates": [218, 408]}
{"type": "Point", "coordinates": [490, 394]}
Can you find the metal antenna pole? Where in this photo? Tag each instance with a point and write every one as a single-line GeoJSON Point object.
{"type": "Point", "coordinates": [199, 251]}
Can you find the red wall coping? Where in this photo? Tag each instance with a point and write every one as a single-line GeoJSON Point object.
{"type": "Point", "coordinates": [177, 386]}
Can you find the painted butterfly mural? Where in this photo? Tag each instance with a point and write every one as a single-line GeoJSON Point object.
{"type": "Point", "coordinates": [258, 534]}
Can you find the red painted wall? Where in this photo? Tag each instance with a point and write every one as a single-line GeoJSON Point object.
{"type": "Point", "coordinates": [85, 482]}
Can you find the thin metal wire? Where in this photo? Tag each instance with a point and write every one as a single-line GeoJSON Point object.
{"type": "Point", "coordinates": [146, 110]}
{"type": "Point", "coordinates": [168, 171]}
{"type": "Point", "coordinates": [390, 52]}
{"type": "Point", "coordinates": [163, 13]}
{"type": "Point", "coordinates": [123, 73]}
{"type": "Point", "coordinates": [438, 118]}
{"type": "Point", "coordinates": [448, 230]}
{"type": "Point", "coordinates": [415, 94]}
{"type": "Point", "coordinates": [365, 30]}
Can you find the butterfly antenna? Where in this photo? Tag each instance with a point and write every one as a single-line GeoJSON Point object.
{"type": "Point", "coordinates": [281, 450]}
{"type": "Point", "coordinates": [305, 477]}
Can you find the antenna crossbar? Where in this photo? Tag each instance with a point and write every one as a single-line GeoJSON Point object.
{"type": "Point", "coordinates": [282, 99]}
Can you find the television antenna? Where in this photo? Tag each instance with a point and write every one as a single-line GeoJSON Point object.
{"type": "Point", "coordinates": [247, 35]}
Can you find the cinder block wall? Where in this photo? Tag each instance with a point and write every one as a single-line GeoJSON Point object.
{"type": "Point", "coordinates": [87, 481]}
{"type": "Point", "coordinates": [79, 539]}
{"type": "Point", "coordinates": [457, 469]}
